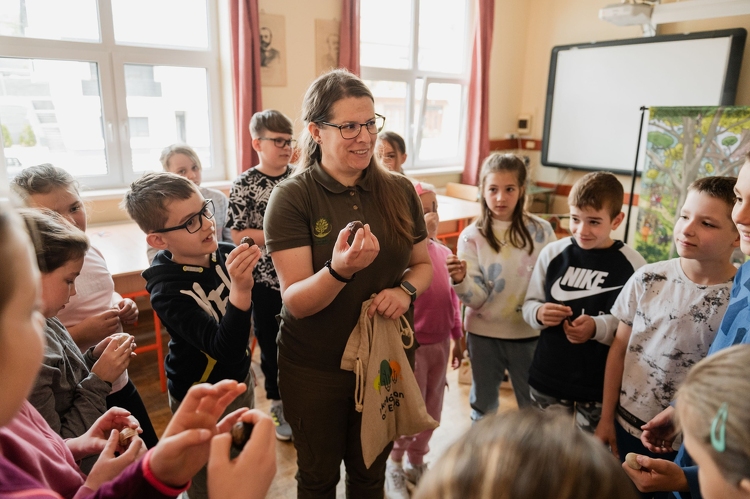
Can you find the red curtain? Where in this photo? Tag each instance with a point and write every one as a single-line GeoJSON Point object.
{"type": "Point", "coordinates": [245, 76]}
{"type": "Point", "coordinates": [477, 133]}
{"type": "Point", "coordinates": [349, 36]}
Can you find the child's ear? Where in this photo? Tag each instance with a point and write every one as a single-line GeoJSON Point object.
{"type": "Point", "coordinates": [745, 487]}
{"type": "Point", "coordinates": [618, 220]}
{"type": "Point", "coordinates": [256, 145]}
{"type": "Point", "coordinates": [156, 241]}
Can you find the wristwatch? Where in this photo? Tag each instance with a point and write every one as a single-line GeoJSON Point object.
{"type": "Point", "coordinates": [409, 289]}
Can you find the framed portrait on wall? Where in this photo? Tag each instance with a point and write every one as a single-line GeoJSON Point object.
{"type": "Point", "coordinates": [326, 45]}
{"type": "Point", "coordinates": [272, 50]}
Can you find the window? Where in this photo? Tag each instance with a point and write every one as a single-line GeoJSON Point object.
{"type": "Point", "coordinates": [415, 59]}
{"type": "Point", "coordinates": [98, 88]}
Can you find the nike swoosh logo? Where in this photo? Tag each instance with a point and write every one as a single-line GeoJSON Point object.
{"type": "Point", "coordinates": [560, 294]}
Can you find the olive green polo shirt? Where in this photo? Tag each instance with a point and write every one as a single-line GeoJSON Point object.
{"type": "Point", "coordinates": [310, 209]}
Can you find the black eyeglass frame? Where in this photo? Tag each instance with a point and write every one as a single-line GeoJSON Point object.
{"type": "Point", "coordinates": [204, 213]}
{"type": "Point", "coordinates": [284, 142]}
{"type": "Point", "coordinates": [361, 125]}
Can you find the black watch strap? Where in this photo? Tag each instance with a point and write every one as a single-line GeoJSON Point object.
{"type": "Point", "coordinates": [338, 276]}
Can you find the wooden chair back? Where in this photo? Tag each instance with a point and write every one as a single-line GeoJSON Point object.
{"type": "Point", "coordinates": [462, 191]}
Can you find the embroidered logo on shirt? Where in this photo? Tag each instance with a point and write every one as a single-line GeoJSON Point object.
{"type": "Point", "coordinates": [322, 228]}
{"type": "Point", "coordinates": [586, 281]}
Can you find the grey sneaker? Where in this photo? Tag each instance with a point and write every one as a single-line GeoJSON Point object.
{"type": "Point", "coordinates": [283, 430]}
{"type": "Point", "coordinates": [414, 474]}
{"type": "Point", "coordinates": [395, 481]}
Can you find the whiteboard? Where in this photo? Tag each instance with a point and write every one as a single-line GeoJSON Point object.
{"type": "Point", "coordinates": [596, 91]}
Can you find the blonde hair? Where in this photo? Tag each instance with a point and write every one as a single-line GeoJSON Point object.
{"type": "Point", "coordinates": [8, 219]}
{"type": "Point", "coordinates": [325, 91]}
{"type": "Point", "coordinates": [57, 241]}
{"type": "Point", "coordinates": [527, 454]}
{"type": "Point", "coordinates": [598, 190]}
{"type": "Point", "coordinates": [722, 378]}
{"type": "Point", "coordinates": [518, 234]}
{"type": "Point", "coordinates": [178, 148]}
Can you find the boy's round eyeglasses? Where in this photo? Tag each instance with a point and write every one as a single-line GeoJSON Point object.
{"type": "Point", "coordinates": [280, 143]}
{"type": "Point", "coordinates": [352, 130]}
{"type": "Point", "coordinates": [195, 222]}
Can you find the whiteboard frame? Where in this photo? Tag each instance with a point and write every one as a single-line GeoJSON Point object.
{"type": "Point", "coordinates": [737, 39]}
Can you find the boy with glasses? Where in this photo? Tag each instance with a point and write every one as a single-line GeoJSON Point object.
{"type": "Point", "coordinates": [272, 140]}
{"type": "Point", "coordinates": [200, 288]}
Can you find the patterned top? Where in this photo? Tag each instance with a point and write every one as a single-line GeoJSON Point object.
{"type": "Point", "coordinates": [495, 284]}
{"type": "Point", "coordinates": [247, 207]}
{"type": "Point", "coordinates": [674, 321]}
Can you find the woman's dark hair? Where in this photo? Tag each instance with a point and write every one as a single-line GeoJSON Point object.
{"type": "Point", "coordinates": [317, 106]}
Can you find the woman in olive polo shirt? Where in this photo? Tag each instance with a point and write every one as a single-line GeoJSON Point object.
{"type": "Point", "coordinates": [324, 279]}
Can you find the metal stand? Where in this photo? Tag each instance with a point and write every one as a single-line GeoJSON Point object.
{"type": "Point", "coordinates": [635, 173]}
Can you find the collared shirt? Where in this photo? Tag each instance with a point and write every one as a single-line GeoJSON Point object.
{"type": "Point", "coordinates": [310, 209]}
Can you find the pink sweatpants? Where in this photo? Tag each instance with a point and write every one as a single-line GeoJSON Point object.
{"type": "Point", "coordinates": [430, 366]}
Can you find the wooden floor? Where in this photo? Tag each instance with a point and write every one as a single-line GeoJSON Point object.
{"type": "Point", "coordinates": [455, 418]}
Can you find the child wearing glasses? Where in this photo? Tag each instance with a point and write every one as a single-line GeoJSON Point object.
{"type": "Point", "coordinates": [184, 161]}
{"type": "Point", "coordinates": [200, 288]}
{"type": "Point", "coordinates": [272, 140]}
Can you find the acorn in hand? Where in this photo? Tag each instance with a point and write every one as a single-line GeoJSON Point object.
{"type": "Point", "coordinates": [353, 228]}
{"type": "Point", "coordinates": [241, 434]}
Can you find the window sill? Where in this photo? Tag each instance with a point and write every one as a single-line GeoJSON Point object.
{"type": "Point", "coordinates": [435, 171]}
{"type": "Point", "coordinates": [119, 193]}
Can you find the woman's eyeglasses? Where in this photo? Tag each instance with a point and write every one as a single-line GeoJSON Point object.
{"type": "Point", "coordinates": [352, 130]}
{"type": "Point", "coordinates": [195, 222]}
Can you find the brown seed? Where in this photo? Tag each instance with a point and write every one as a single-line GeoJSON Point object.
{"type": "Point", "coordinates": [632, 459]}
{"type": "Point", "coordinates": [126, 435]}
{"type": "Point", "coordinates": [353, 228]}
{"type": "Point", "coordinates": [241, 434]}
{"type": "Point", "coordinates": [249, 240]}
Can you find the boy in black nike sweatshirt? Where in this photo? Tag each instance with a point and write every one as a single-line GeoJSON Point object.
{"type": "Point", "coordinates": [574, 285]}
{"type": "Point", "coordinates": [200, 289]}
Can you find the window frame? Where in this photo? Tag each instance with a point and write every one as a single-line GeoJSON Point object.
{"type": "Point", "coordinates": [111, 58]}
{"type": "Point", "coordinates": [410, 76]}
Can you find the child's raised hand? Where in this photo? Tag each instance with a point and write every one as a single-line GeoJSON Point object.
{"type": "Point", "coordinates": [114, 359]}
{"type": "Point", "coordinates": [108, 466]}
{"type": "Point", "coordinates": [656, 475]}
{"type": "Point", "coordinates": [102, 324]}
{"type": "Point", "coordinates": [659, 433]}
{"type": "Point", "coordinates": [95, 439]}
{"type": "Point", "coordinates": [127, 311]}
{"type": "Point", "coordinates": [431, 222]}
{"type": "Point", "coordinates": [228, 478]}
{"type": "Point", "coordinates": [240, 264]}
{"type": "Point", "coordinates": [456, 268]}
{"type": "Point", "coordinates": [185, 444]}
{"type": "Point", "coordinates": [580, 330]}
{"type": "Point", "coordinates": [552, 314]}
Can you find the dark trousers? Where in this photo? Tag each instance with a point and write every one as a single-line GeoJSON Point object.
{"type": "Point", "coordinates": [628, 443]}
{"type": "Point", "coordinates": [319, 406]}
{"type": "Point", "coordinates": [129, 399]}
{"type": "Point", "coordinates": [266, 306]}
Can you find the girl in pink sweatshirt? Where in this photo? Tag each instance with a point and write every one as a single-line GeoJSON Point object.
{"type": "Point", "coordinates": [437, 319]}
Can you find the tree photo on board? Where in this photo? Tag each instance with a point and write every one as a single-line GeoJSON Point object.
{"type": "Point", "coordinates": [684, 144]}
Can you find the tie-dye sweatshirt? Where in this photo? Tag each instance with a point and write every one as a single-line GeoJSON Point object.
{"type": "Point", "coordinates": [495, 284]}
